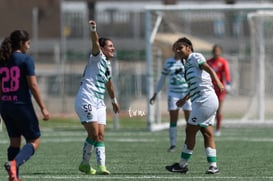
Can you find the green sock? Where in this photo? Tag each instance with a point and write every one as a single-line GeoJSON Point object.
{"type": "Point", "coordinates": [211, 156]}
{"type": "Point", "coordinates": [185, 156]}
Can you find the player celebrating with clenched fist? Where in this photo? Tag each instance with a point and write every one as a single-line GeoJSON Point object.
{"type": "Point", "coordinates": [89, 102]}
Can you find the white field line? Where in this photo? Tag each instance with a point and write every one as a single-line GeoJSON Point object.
{"type": "Point", "coordinates": [80, 138]}
{"type": "Point", "coordinates": [113, 177]}
{"type": "Point", "coordinates": [67, 140]}
{"type": "Point", "coordinates": [49, 132]}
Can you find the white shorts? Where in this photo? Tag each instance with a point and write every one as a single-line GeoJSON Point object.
{"type": "Point", "coordinates": [203, 113]}
{"type": "Point", "coordinates": [88, 112]}
{"type": "Point", "coordinates": [172, 104]}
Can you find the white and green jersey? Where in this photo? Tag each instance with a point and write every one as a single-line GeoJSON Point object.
{"type": "Point", "coordinates": [177, 85]}
{"type": "Point", "coordinates": [199, 81]}
{"type": "Point", "coordinates": [96, 74]}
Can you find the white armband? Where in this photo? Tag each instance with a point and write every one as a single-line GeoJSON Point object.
{"type": "Point", "coordinates": [114, 100]}
{"type": "Point", "coordinates": [92, 28]}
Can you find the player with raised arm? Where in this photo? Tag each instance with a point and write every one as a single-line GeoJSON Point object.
{"type": "Point", "coordinates": [221, 68]}
{"type": "Point", "coordinates": [177, 89]}
{"type": "Point", "coordinates": [199, 76]}
{"type": "Point", "coordinates": [89, 101]}
{"type": "Point", "coordinates": [18, 81]}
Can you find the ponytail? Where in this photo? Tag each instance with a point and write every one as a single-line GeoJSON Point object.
{"type": "Point", "coordinates": [11, 44]}
{"type": "Point", "coordinates": [5, 51]}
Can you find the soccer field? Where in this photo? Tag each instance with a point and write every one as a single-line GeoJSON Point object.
{"type": "Point", "coordinates": [136, 154]}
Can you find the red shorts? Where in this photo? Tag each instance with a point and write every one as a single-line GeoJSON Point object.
{"type": "Point", "coordinates": [220, 95]}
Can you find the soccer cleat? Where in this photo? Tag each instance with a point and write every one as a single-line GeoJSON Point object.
{"type": "Point", "coordinates": [172, 148]}
{"type": "Point", "coordinates": [103, 170]}
{"type": "Point", "coordinates": [12, 170]}
{"type": "Point", "coordinates": [212, 170]}
{"type": "Point", "coordinates": [85, 168]}
{"type": "Point", "coordinates": [176, 168]}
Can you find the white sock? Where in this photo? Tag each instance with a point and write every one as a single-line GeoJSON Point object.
{"type": "Point", "coordinates": [172, 135]}
{"type": "Point", "coordinates": [211, 156]}
{"type": "Point", "coordinates": [100, 153]}
{"type": "Point", "coordinates": [87, 151]}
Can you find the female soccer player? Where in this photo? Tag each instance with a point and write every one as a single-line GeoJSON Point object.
{"type": "Point", "coordinates": [177, 89]}
{"type": "Point", "coordinates": [89, 102]}
{"type": "Point", "coordinates": [17, 78]}
{"type": "Point", "coordinates": [198, 74]}
{"type": "Point", "coordinates": [221, 68]}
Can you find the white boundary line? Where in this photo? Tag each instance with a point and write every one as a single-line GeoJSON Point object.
{"type": "Point", "coordinates": [227, 123]}
{"type": "Point", "coordinates": [130, 140]}
{"type": "Point", "coordinates": [113, 177]}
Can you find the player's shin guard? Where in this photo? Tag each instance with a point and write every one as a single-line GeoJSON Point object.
{"type": "Point", "coordinates": [172, 134]}
{"type": "Point", "coordinates": [185, 156]}
{"type": "Point", "coordinates": [100, 153]}
{"type": "Point", "coordinates": [211, 156]}
{"type": "Point", "coordinates": [87, 150]}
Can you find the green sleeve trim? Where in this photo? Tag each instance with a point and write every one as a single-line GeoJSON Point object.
{"type": "Point", "coordinates": [201, 63]}
{"type": "Point", "coordinates": [96, 54]}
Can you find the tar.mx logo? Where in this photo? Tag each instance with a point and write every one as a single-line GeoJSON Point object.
{"type": "Point", "coordinates": [136, 112]}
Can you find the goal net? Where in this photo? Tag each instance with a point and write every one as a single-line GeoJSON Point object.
{"type": "Point", "coordinates": [246, 37]}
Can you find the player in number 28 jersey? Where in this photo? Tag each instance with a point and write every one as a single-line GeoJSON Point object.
{"type": "Point", "coordinates": [17, 80]}
{"type": "Point", "coordinates": [14, 85]}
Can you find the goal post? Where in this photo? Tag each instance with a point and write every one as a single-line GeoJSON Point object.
{"type": "Point", "coordinates": [205, 25]}
{"type": "Point", "coordinates": [261, 28]}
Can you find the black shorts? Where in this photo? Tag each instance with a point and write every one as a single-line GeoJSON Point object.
{"type": "Point", "coordinates": [20, 120]}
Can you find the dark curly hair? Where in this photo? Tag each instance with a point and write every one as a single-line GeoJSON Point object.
{"type": "Point", "coordinates": [11, 44]}
{"type": "Point", "coordinates": [186, 42]}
